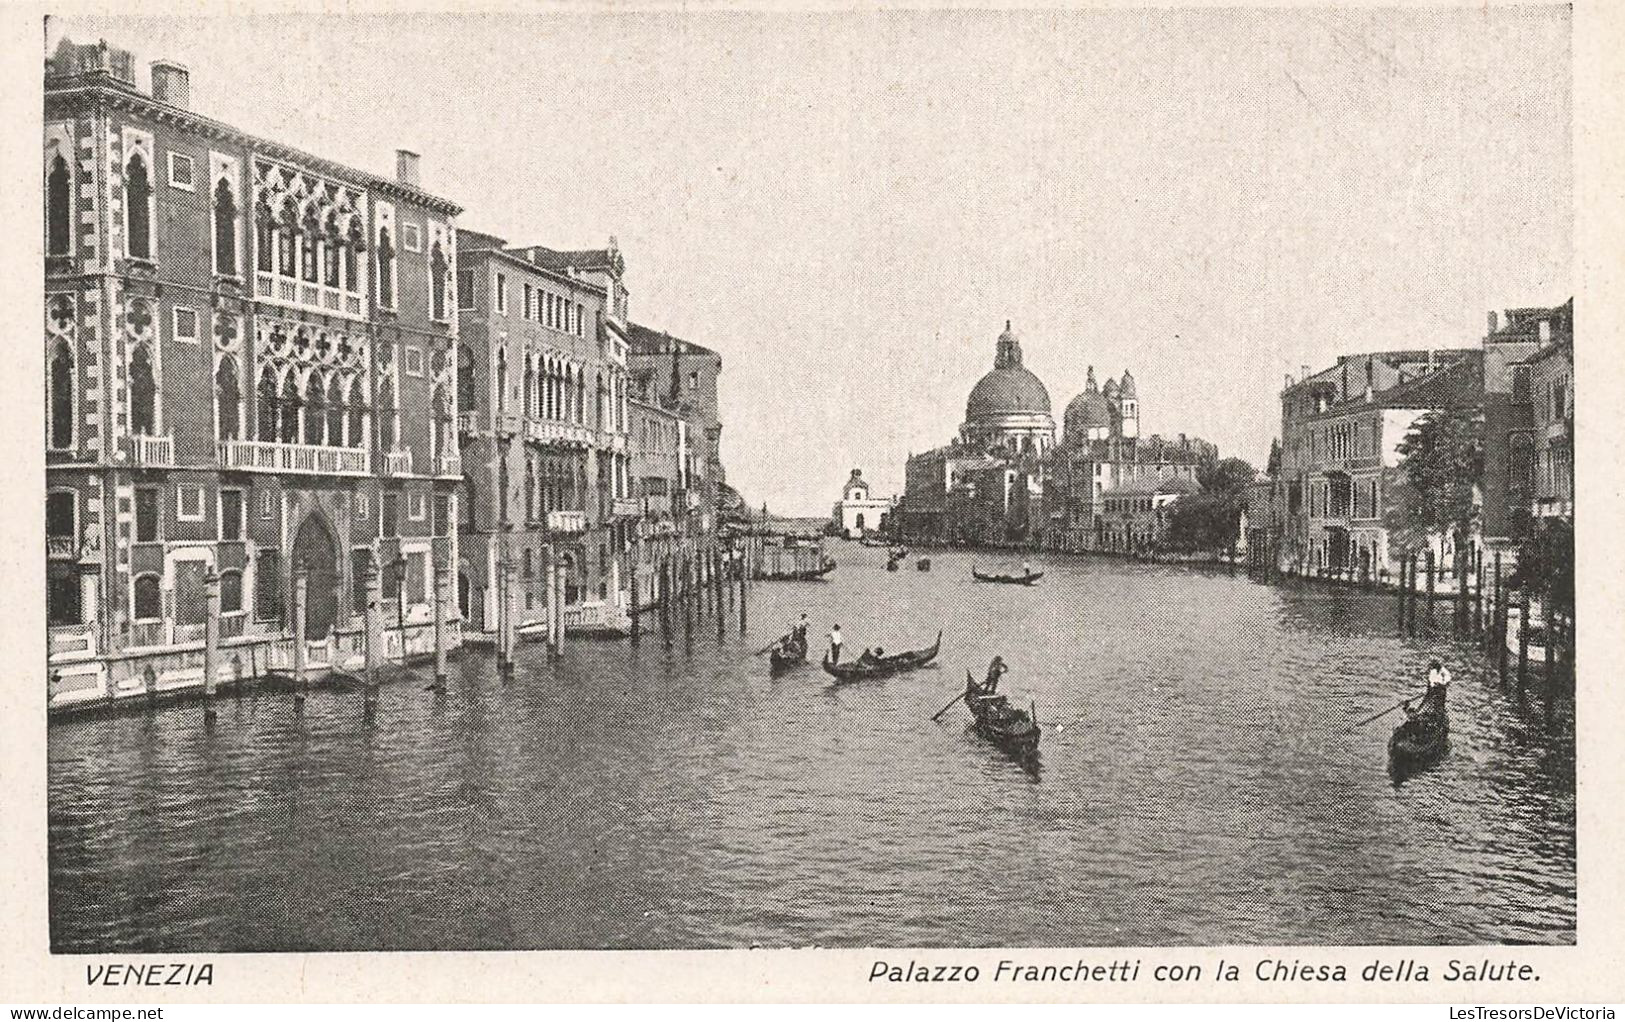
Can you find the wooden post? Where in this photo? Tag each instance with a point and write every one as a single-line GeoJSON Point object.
{"type": "Point", "coordinates": [1498, 632]}
{"type": "Point", "coordinates": [717, 583]}
{"type": "Point", "coordinates": [1399, 591]}
{"type": "Point", "coordinates": [301, 587]}
{"type": "Point", "coordinates": [1523, 638]}
{"type": "Point", "coordinates": [1478, 595]}
{"type": "Point", "coordinates": [442, 582]}
{"type": "Point", "coordinates": [1430, 577]}
{"type": "Point", "coordinates": [744, 576]}
{"type": "Point", "coordinates": [665, 601]}
{"type": "Point", "coordinates": [556, 646]}
{"type": "Point", "coordinates": [1411, 596]}
{"type": "Point", "coordinates": [632, 561]}
{"type": "Point", "coordinates": [149, 682]}
{"type": "Point", "coordinates": [375, 636]}
{"type": "Point", "coordinates": [688, 599]}
{"type": "Point", "coordinates": [1551, 658]}
{"type": "Point", "coordinates": [211, 641]}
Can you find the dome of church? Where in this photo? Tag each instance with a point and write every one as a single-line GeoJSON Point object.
{"type": "Point", "coordinates": [1087, 410]}
{"type": "Point", "coordinates": [1009, 388]}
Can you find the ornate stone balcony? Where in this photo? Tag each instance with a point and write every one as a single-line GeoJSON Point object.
{"type": "Point", "coordinates": [450, 465]}
{"type": "Point", "coordinates": [307, 459]}
{"type": "Point", "coordinates": [567, 522]}
{"type": "Point", "coordinates": [151, 451]}
{"type": "Point", "coordinates": [626, 507]}
{"type": "Point", "coordinates": [557, 434]}
{"type": "Point", "coordinates": [397, 463]}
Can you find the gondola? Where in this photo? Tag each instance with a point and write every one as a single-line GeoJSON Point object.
{"type": "Point", "coordinates": [787, 653]}
{"type": "Point", "coordinates": [998, 721]}
{"type": "Point", "coordinates": [810, 575]}
{"type": "Point", "coordinates": [882, 667]}
{"type": "Point", "coordinates": [1012, 580]}
{"type": "Point", "coordinates": [1424, 736]}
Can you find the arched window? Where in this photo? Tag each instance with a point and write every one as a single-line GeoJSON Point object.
{"type": "Point", "coordinates": [530, 386]}
{"type": "Point", "coordinates": [227, 400]}
{"type": "Point", "coordinates": [315, 408]}
{"type": "Point", "coordinates": [143, 394]}
{"type": "Point", "coordinates": [385, 418]}
{"type": "Point", "coordinates": [465, 378]}
{"type": "Point", "coordinates": [149, 603]}
{"type": "Point", "coordinates": [353, 247]}
{"type": "Point", "coordinates": [289, 410]}
{"type": "Point", "coordinates": [386, 279]}
{"type": "Point", "coordinates": [267, 401]}
{"type": "Point", "coordinates": [530, 490]}
{"type": "Point", "coordinates": [137, 209]}
{"type": "Point", "coordinates": [59, 208]}
{"type": "Point", "coordinates": [231, 591]}
{"type": "Point", "coordinates": [502, 380]}
{"type": "Point", "coordinates": [290, 240]}
{"type": "Point", "coordinates": [225, 230]}
{"type": "Point", "coordinates": [332, 240]}
{"type": "Point", "coordinates": [440, 423]}
{"type": "Point", "coordinates": [62, 397]}
{"type": "Point", "coordinates": [581, 397]}
{"type": "Point", "coordinates": [599, 405]}
{"type": "Point", "coordinates": [355, 400]}
{"type": "Point", "coordinates": [437, 279]}
{"type": "Point", "coordinates": [310, 236]}
{"type": "Point", "coordinates": [262, 236]}
{"type": "Point", "coordinates": [335, 412]}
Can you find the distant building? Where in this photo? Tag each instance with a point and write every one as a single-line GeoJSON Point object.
{"type": "Point", "coordinates": [1340, 432]}
{"type": "Point", "coordinates": [1136, 514]}
{"type": "Point", "coordinates": [682, 376]}
{"type": "Point", "coordinates": [1551, 390]}
{"type": "Point", "coordinates": [1514, 449]}
{"type": "Point", "coordinates": [858, 512]}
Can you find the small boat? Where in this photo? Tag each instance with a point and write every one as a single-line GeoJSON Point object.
{"type": "Point", "coordinates": [891, 565]}
{"type": "Point", "coordinates": [1013, 580]}
{"type": "Point", "coordinates": [866, 541]}
{"type": "Point", "coordinates": [1424, 735]}
{"type": "Point", "coordinates": [925, 564]}
{"type": "Point", "coordinates": [810, 575]}
{"type": "Point", "coordinates": [786, 653]}
{"type": "Point", "coordinates": [881, 667]}
{"type": "Point", "coordinates": [998, 721]}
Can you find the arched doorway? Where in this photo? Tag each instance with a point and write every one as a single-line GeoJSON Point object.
{"type": "Point", "coordinates": [315, 551]}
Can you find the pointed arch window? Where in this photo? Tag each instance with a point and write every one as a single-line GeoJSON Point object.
{"type": "Point", "coordinates": [59, 208]}
{"type": "Point", "coordinates": [502, 380]}
{"type": "Point", "coordinates": [315, 409]}
{"type": "Point", "coordinates": [437, 280]}
{"type": "Point", "coordinates": [288, 410]}
{"type": "Point", "coordinates": [137, 209]}
{"type": "Point", "coordinates": [581, 397]}
{"type": "Point", "coordinates": [331, 242]}
{"type": "Point", "coordinates": [289, 238]}
{"type": "Point", "coordinates": [440, 423]}
{"type": "Point", "coordinates": [266, 399]}
{"type": "Point", "coordinates": [530, 387]}
{"type": "Point", "coordinates": [335, 412]}
{"type": "Point", "coordinates": [353, 247]}
{"type": "Point", "coordinates": [143, 393]}
{"type": "Point", "coordinates": [62, 397]}
{"type": "Point", "coordinates": [386, 416]}
{"type": "Point", "coordinates": [311, 237]}
{"type": "Point", "coordinates": [262, 237]}
{"type": "Point", "coordinates": [386, 277]}
{"type": "Point", "coordinates": [357, 405]}
{"type": "Point", "coordinates": [227, 400]}
{"type": "Point", "coordinates": [465, 378]}
{"type": "Point", "coordinates": [225, 230]}
{"type": "Point", "coordinates": [530, 490]}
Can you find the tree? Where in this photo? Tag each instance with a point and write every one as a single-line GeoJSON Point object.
{"type": "Point", "coordinates": [1274, 467]}
{"type": "Point", "coordinates": [1434, 490]}
{"type": "Point", "coordinates": [1211, 519]}
{"type": "Point", "coordinates": [1546, 564]}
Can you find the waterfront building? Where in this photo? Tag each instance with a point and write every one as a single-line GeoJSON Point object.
{"type": "Point", "coordinates": [858, 511]}
{"type": "Point", "coordinates": [1513, 450]}
{"type": "Point", "coordinates": [250, 368]}
{"type": "Point", "coordinates": [1551, 390]}
{"type": "Point", "coordinates": [543, 380]}
{"type": "Point", "coordinates": [1135, 515]}
{"type": "Point", "coordinates": [682, 376]}
{"type": "Point", "coordinates": [661, 461]}
{"type": "Point", "coordinates": [1340, 432]}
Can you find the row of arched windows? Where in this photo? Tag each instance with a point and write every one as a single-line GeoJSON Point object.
{"type": "Point", "coordinates": [325, 409]}
{"type": "Point", "coordinates": [308, 248]}
{"type": "Point", "coordinates": [149, 598]}
{"type": "Point", "coordinates": [552, 389]}
{"type": "Point", "coordinates": [552, 484]}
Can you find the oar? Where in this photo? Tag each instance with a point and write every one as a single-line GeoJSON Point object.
{"type": "Point", "coordinates": [955, 699]}
{"type": "Point", "coordinates": [1384, 713]}
{"type": "Point", "coordinates": [769, 646]}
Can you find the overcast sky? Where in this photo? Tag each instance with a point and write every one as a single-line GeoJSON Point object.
{"type": "Point", "coordinates": [849, 206]}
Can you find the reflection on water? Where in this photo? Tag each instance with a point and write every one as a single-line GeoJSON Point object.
{"type": "Point", "coordinates": [1200, 783]}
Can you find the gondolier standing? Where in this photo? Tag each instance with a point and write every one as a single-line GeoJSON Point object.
{"type": "Point", "coordinates": [835, 645]}
{"type": "Point", "coordinates": [799, 629]}
{"type": "Point", "coordinates": [995, 671]}
{"type": "Point", "coordinates": [1438, 676]}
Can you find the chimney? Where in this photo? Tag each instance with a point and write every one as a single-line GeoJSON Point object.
{"type": "Point", "coordinates": [406, 167]}
{"type": "Point", "coordinates": [171, 83]}
{"type": "Point", "coordinates": [1545, 331]}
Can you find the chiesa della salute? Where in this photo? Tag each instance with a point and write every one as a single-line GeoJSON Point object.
{"type": "Point", "coordinates": [1006, 478]}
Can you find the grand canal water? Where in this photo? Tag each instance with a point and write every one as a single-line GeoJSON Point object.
{"type": "Point", "coordinates": [1199, 784]}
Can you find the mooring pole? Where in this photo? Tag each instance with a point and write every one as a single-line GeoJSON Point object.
{"type": "Point", "coordinates": [688, 599]}
{"type": "Point", "coordinates": [1430, 570]}
{"type": "Point", "coordinates": [1498, 631]}
{"type": "Point", "coordinates": [632, 562]}
{"type": "Point", "coordinates": [1523, 636]}
{"type": "Point", "coordinates": [717, 584]}
{"type": "Point", "coordinates": [1399, 592]}
{"type": "Point", "coordinates": [211, 641]}
{"type": "Point", "coordinates": [1412, 596]}
{"type": "Point", "coordinates": [375, 637]}
{"type": "Point", "coordinates": [301, 586]}
{"type": "Point", "coordinates": [665, 600]}
{"type": "Point", "coordinates": [744, 576]}
{"type": "Point", "coordinates": [1551, 657]}
{"type": "Point", "coordinates": [442, 582]}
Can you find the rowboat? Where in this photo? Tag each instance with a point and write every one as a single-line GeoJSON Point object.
{"type": "Point", "coordinates": [1424, 735]}
{"type": "Point", "coordinates": [810, 575]}
{"type": "Point", "coordinates": [998, 721]}
{"type": "Point", "coordinates": [882, 667]}
{"type": "Point", "coordinates": [786, 653]}
{"type": "Point", "coordinates": [1014, 580]}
